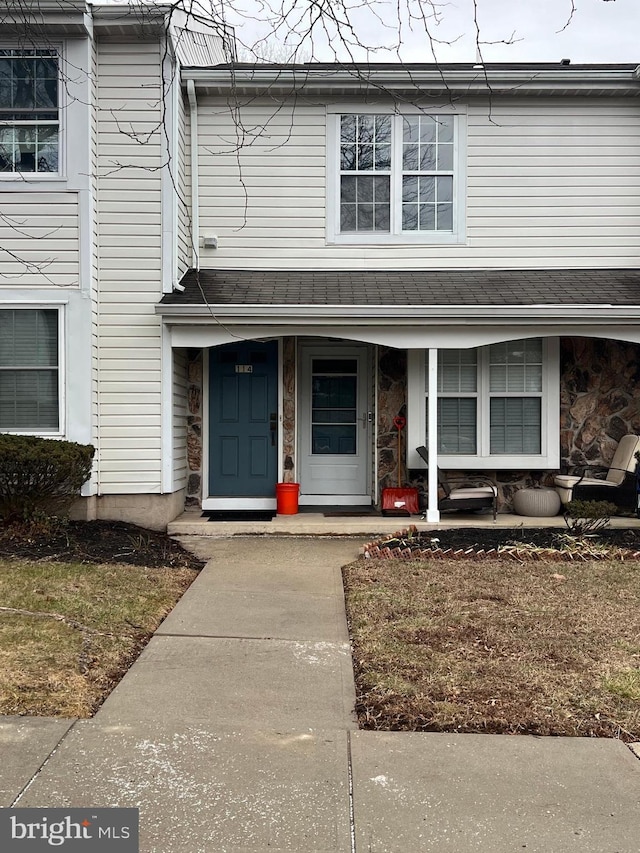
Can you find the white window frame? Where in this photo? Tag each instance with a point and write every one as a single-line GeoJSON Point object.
{"type": "Point", "coordinates": [396, 235]}
{"type": "Point", "coordinates": [28, 178]}
{"type": "Point", "coordinates": [60, 432]}
{"type": "Point", "coordinates": [548, 458]}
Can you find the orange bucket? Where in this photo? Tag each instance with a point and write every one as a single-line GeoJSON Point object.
{"type": "Point", "coordinates": [287, 498]}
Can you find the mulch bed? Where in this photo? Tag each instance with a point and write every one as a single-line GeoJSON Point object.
{"type": "Point", "coordinates": [519, 543]}
{"type": "Point", "coordinates": [96, 542]}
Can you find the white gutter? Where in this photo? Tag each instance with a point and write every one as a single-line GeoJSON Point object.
{"type": "Point", "coordinates": [408, 315]}
{"type": "Point", "coordinates": [195, 187]}
{"type": "Point", "coordinates": [469, 80]}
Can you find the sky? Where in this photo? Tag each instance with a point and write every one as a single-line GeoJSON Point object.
{"type": "Point", "coordinates": [599, 31]}
{"type": "Point", "coordinates": [584, 31]}
{"type": "Point", "coordinates": [542, 30]}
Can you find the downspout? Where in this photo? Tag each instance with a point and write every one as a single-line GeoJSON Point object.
{"type": "Point", "coordinates": [195, 217]}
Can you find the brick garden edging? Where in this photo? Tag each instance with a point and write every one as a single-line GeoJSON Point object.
{"type": "Point", "coordinates": [382, 550]}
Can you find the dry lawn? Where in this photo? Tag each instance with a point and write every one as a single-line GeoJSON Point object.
{"type": "Point", "coordinates": [82, 626]}
{"type": "Point", "coordinates": [497, 646]}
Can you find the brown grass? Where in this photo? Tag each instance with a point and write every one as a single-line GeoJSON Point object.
{"type": "Point", "coordinates": [67, 666]}
{"type": "Point", "coordinates": [497, 646]}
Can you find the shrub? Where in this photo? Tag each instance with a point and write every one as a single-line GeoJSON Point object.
{"type": "Point", "coordinates": [40, 476]}
{"type": "Point", "coordinates": [587, 517]}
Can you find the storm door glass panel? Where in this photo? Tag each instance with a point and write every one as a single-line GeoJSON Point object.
{"type": "Point", "coordinates": [334, 386]}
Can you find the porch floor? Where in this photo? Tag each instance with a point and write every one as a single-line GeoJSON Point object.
{"type": "Point", "coordinates": [318, 524]}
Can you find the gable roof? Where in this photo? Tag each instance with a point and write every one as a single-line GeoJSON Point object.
{"type": "Point", "coordinates": [406, 288]}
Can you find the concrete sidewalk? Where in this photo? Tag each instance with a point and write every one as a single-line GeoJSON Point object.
{"type": "Point", "coordinates": [234, 732]}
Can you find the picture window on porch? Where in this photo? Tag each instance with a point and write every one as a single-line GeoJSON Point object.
{"type": "Point", "coordinates": [498, 405]}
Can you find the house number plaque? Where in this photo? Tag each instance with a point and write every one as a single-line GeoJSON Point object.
{"type": "Point", "coordinates": [244, 368]}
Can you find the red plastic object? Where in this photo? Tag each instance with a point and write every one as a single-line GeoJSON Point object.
{"type": "Point", "coordinates": [287, 498]}
{"type": "Point", "coordinates": [401, 501]}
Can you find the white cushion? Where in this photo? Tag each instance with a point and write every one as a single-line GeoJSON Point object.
{"type": "Point", "coordinates": [568, 481]}
{"type": "Point", "coordinates": [472, 492]}
{"type": "Point", "coordinates": [624, 458]}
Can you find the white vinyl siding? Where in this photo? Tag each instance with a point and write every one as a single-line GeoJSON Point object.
{"type": "Point", "coordinates": [184, 191]}
{"type": "Point", "coordinates": [548, 183]}
{"type": "Point", "coordinates": [179, 419]}
{"type": "Point", "coordinates": [39, 239]}
{"type": "Point", "coordinates": [95, 340]}
{"type": "Point", "coordinates": [129, 267]}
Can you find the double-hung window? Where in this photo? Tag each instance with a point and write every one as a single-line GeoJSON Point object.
{"type": "Point", "coordinates": [29, 111]}
{"type": "Point", "coordinates": [396, 177]}
{"type": "Point", "coordinates": [498, 405]}
{"type": "Point", "coordinates": [29, 370]}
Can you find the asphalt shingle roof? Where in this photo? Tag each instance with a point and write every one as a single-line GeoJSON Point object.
{"type": "Point", "coordinates": [405, 288]}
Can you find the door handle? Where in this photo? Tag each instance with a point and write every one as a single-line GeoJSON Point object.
{"type": "Point", "coordinates": [273, 426]}
{"type": "Point", "coordinates": [366, 419]}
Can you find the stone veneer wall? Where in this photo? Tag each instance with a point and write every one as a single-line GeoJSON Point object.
{"type": "Point", "coordinates": [289, 409]}
{"type": "Point", "coordinates": [600, 398]}
{"type": "Point", "coordinates": [392, 401]}
{"type": "Point", "coordinates": [194, 427]}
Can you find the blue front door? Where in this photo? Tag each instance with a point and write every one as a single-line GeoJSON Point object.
{"type": "Point", "coordinates": [243, 419]}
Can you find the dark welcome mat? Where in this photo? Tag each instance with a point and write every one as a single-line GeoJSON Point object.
{"type": "Point", "coordinates": [350, 514]}
{"type": "Point", "coordinates": [235, 515]}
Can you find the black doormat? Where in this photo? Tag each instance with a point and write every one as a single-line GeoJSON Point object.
{"type": "Point", "coordinates": [350, 514]}
{"type": "Point", "coordinates": [236, 515]}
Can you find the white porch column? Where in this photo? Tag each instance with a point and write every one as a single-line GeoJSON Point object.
{"type": "Point", "coordinates": [433, 513]}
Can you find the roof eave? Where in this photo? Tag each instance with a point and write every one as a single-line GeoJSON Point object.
{"type": "Point", "coordinates": [141, 21]}
{"type": "Point", "coordinates": [463, 81]}
{"type": "Point", "coordinates": [50, 18]}
{"type": "Point", "coordinates": [405, 315]}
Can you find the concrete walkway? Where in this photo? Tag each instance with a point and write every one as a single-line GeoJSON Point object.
{"type": "Point", "coordinates": [234, 733]}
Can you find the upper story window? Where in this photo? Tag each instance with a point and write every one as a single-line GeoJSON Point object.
{"type": "Point", "coordinates": [396, 178]}
{"type": "Point", "coordinates": [29, 111]}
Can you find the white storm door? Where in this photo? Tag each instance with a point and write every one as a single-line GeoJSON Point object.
{"type": "Point", "coordinates": [334, 444]}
